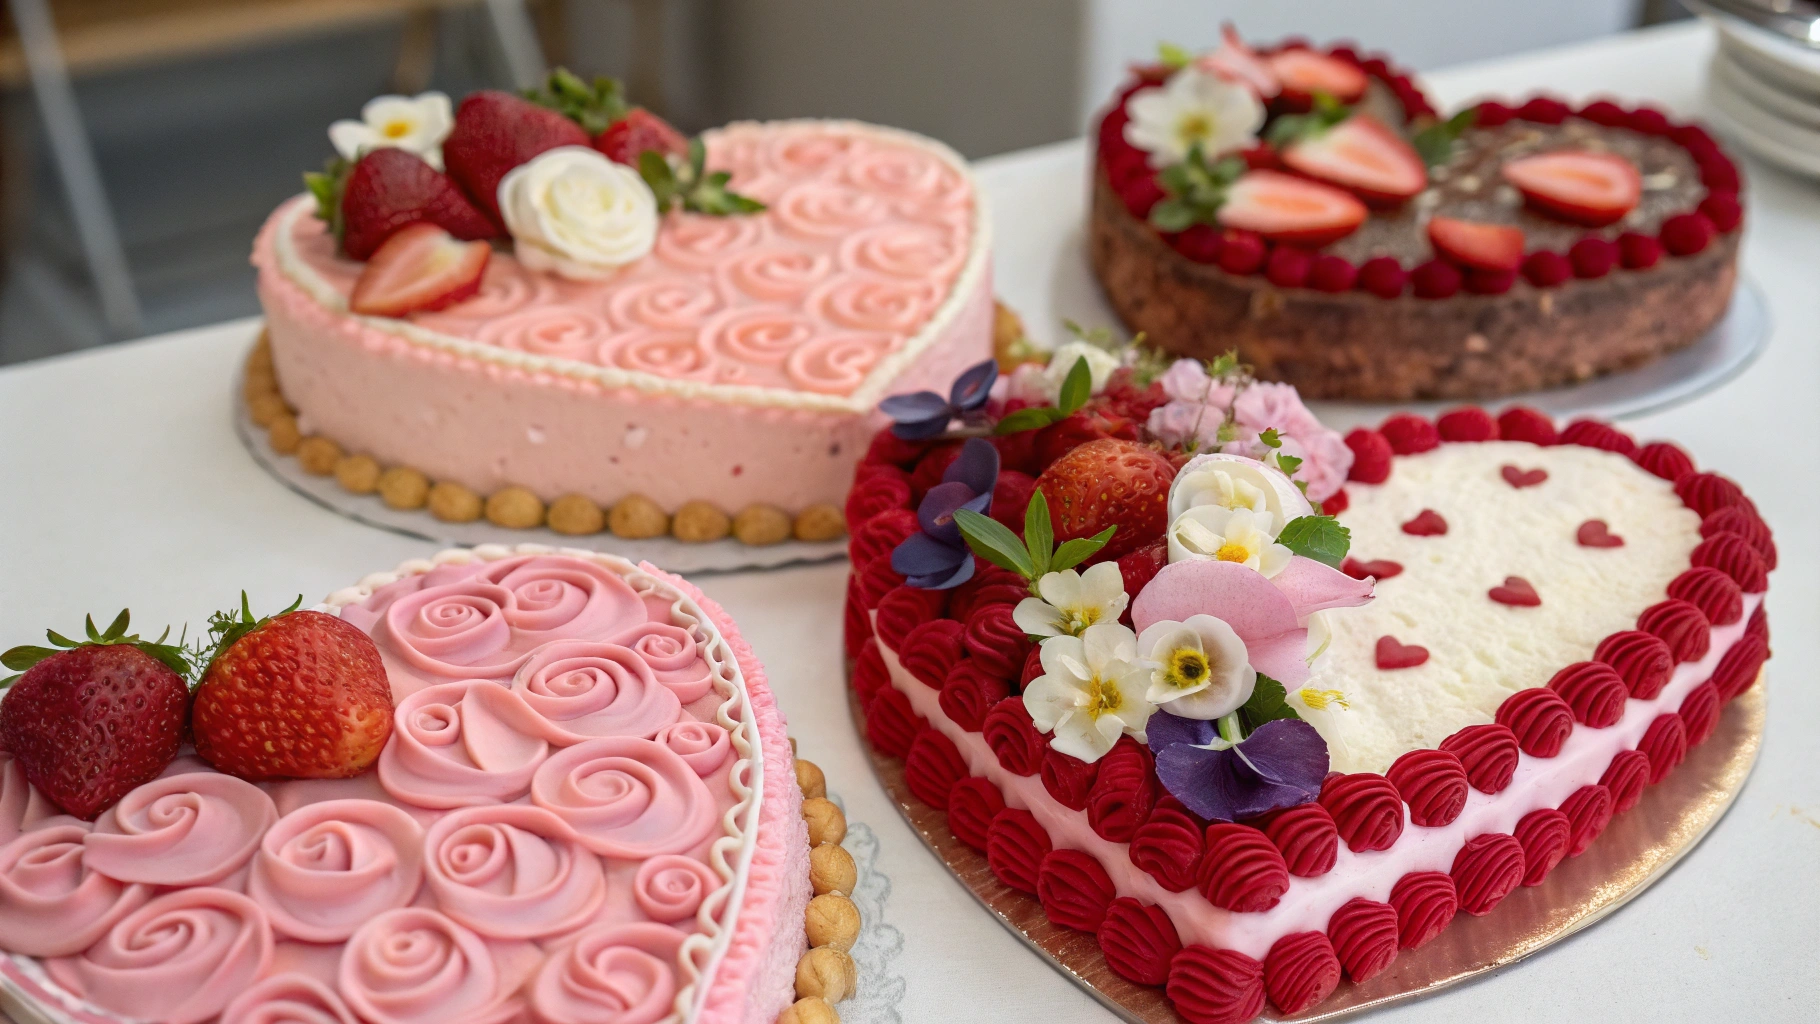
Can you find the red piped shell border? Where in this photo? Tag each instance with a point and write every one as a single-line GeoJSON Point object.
{"type": "Point", "coordinates": [1485, 872]}
{"type": "Point", "coordinates": [1719, 211]}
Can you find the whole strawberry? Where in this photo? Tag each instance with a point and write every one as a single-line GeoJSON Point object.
{"type": "Point", "coordinates": [89, 720]}
{"type": "Point", "coordinates": [638, 131]}
{"type": "Point", "coordinates": [1109, 482]}
{"type": "Point", "coordinates": [300, 695]}
{"type": "Point", "coordinates": [495, 132]}
{"type": "Point", "coordinates": [390, 189]}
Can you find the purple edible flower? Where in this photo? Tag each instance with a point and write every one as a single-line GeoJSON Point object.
{"type": "Point", "coordinates": [937, 558]}
{"type": "Point", "coordinates": [1280, 765]}
{"type": "Point", "coordinates": [924, 414]}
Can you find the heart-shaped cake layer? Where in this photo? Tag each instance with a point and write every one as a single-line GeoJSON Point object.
{"type": "Point", "coordinates": [1505, 692]}
{"type": "Point", "coordinates": [586, 811]}
{"type": "Point", "coordinates": [739, 362]}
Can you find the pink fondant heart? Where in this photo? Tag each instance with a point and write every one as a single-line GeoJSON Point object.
{"type": "Point", "coordinates": [1515, 590]}
{"type": "Point", "coordinates": [1520, 478]}
{"type": "Point", "coordinates": [1382, 568]}
{"type": "Point", "coordinates": [1393, 655]}
{"type": "Point", "coordinates": [1595, 534]}
{"type": "Point", "coordinates": [1427, 523]}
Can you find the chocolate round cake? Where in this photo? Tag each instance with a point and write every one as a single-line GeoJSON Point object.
{"type": "Point", "coordinates": [1348, 241]}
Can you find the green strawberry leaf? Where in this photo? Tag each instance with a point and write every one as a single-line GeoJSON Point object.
{"type": "Point", "coordinates": [1034, 418]}
{"type": "Point", "coordinates": [1039, 535]}
{"type": "Point", "coordinates": [594, 106]}
{"type": "Point", "coordinates": [1078, 550]}
{"type": "Point", "coordinates": [1269, 702]}
{"type": "Point", "coordinates": [25, 656]}
{"type": "Point", "coordinates": [326, 186]}
{"type": "Point", "coordinates": [175, 656]}
{"type": "Point", "coordinates": [1435, 143]}
{"type": "Point", "coordinates": [1321, 538]}
{"type": "Point", "coordinates": [993, 541]}
{"type": "Point", "coordinates": [226, 629]}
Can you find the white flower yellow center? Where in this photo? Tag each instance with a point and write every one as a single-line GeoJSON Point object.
{"type": "Point", "coordinates": [1234, 551]}
{"type": "Point", "coordinates": [397, 129]}
{"type": "Point", "coordinates": [1186, 668]}
{"type": "Point", "coordinates": [1319, 700]}
{"type": "Point", "coordinates": [1194, 126]}
{"type": "Point", "coordinates": [1103, 697]}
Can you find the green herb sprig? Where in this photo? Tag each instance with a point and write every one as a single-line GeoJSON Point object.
{"type": "Point", "coordinates": [1035, 554]}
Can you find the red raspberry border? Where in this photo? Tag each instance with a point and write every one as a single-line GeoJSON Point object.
{"type": "Point", "coordinates": [1244, 253]}
{"type": "Point", "coordinates": [1245, 866]}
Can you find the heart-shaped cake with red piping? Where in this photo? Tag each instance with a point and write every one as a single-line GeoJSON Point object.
{"type": "Point", "coordinates": [1248, 773]}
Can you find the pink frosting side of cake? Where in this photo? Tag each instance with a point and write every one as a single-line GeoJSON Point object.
{"type": "Point", "coordinates": [739, 362]}
{"type": "Point", "coordinates": [517, 830]}
{"type": "Point", "coordinates": [1310, 902]}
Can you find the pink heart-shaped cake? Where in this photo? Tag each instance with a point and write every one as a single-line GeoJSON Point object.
{"type": "Point", "coordinates": [586, 811]}
{"type": "Point", "coordinates": [1278, 774]}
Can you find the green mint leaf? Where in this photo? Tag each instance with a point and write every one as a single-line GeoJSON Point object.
{"type": "Point", "coordinates": [1039, 535]}
{"type": "Point", "coordinates": [1077, 387]}
{"type": "Point", "coordinates": [1435, 143]}
{"type": "Point", "coordinates": [1033, 418]}
{"type": "Point", "coordinates": [1270, 438]}
{"type": "Point", "coordinates": [1173, 56]}
{"type": "Point", "coordinates": [1078, 550]}
{"type": "Point", "coordinates": [1269, 702]}
{"type": "Point", "coordinates": [1321, 538]}
{"type": "Point", "coordinates": [1172, 215]}
{"type": "Point", "coordinates": [991, 540]}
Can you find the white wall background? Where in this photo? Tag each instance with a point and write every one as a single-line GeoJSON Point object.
{"type": "Point", "coordinates": [1419, 34]}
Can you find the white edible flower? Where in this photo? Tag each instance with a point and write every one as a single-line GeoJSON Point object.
{"type": "Point", "coordinates": [418, 124]}
{"type": "Point", "coordinates": [1193, 107]}
{"type": "Point", "coordinates": [1072, 601]}
{"type": "Point", "coordinates": [576, 213]}
{"type": "Point", "coordinates": [1100, 364]}
{"type": "Point", "coordinates": [1091, 691]}
{"type": "Point", "coordinates": [1228, 535]}
{"type": "Point", "coordinates": [1233, 481]}
{"type": "Point", "coordinates": [1199, 668]}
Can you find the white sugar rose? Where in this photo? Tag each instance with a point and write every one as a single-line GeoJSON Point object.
{"type": "Point", "coordinates": [573, 212]}
{"type": "Point", "coordinates": [417, 124]}
{"type": "Point", "coordinates": [1100, 364]}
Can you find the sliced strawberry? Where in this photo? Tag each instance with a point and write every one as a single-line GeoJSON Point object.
{"type": "Point", "coordinates": [1588, 188]}
{"type": "Point", "coordinates": [1363, 155]}
{"type": "Point", "coordinates": [636, 132]}
{"type": "Point", "coordinates": [1240, 64]}
{"type": "Point", "coordinates": [1475, 244]}
{"type": "Point", "coordinates": [390, 189]}
{"type": "Point", "coordinates": [421, 267]}
{"type": "Point", "coordinates": [495, 132]}
{"type": "Point", "coordinates": [1306, 72]}
{"type": "Point", "coordinates": [1285, 208]}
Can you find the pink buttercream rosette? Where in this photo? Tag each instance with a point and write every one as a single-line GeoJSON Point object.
{"type": "Point", "coordinates": [670, 888]}
{"type": "Point", "coordinates": [510, 871]}
{"type": "Point", "coordinates": [195, 828]}
{"type": "Point", "coordinates": [179, 959]}
{"type": "Point", "coordinates": [610, 974]}
{"type": "Point", "coordinates": [626, 798]}
{"type": "Point", "coordinates": [51, 902]}
{"type": "Point", "coordinates": [674, 656]}
{"type": "Point", "coordinates": [704, 746]}
{"type": "Point", "coordinates": [326, 868]}
{"type": "Point", "coordinates": [462, 744]}
{"type": "Point", "coordinates": [416, 966]}
{"type": "Point", "coordinates": [586, 689]}
{"type": "Point", "coordinates": [288, 998]}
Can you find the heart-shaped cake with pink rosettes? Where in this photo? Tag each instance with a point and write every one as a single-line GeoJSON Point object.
{"type": "Point", "coordinates": [582, 809]}
{"type": "Point", "coordinates": [1329, 693]}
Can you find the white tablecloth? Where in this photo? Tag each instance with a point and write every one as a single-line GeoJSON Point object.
{"type": "Point", "coordinates": [124, 486]}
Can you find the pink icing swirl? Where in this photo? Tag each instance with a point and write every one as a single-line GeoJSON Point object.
{"type": "Point", "coordinates": [823, 210]}
{"type": "Point", "coordinates": [51, 903]}
{"type": "Point", "coordinates": [416, 966]}
{"type": "Point", "coordinates": [668, 301]}
{"type": "Point", "coordinates": [485, 625]}
{"type": "Point", "coordinates": [557, 331]}
{"type": "Point", "coordinates": [674, 657]}
{"type": "Point", "coordinates": [506, 287]}
{"type": "Point", "coordinates": [778, 273]}
{"type": "Point", "coordinates": [836, 364]}
{"type": "Point", "coordinates": [191, 829]}
{"type": "Point", "coordinates": [806, 152]}
{"type": "Point", "coordinates": [22, 807]}
{"type": "Point", "coordinates": [512, 872]}
{"type": "Point", "coordinates": [672, 888]}
{"type": "Point", "coordinates": [179, 959]}
{"type": "Point", "coordinates": [586, 689]}
{"type": "Point", "coordinates": [624, 974]}
{"type": "Point", "coordinates": [874, 303]}
{"type": "Point", "coordinates": [919, 252]}
{"type": "Point", "coordinates": [756, 335]}
{"type": "Point", "coordinates": [325, 868]}
{"type": "Point", "coordinates": [671, 354]}
{"type": "Point", "coordinates": [700, 242]}
{"type": "Point", "coordinates": [626, 798]}
{"type": "Point", "coordinates": [703, 745]}
{"type": "Point", "coordinates": [462, 744]}
{"type": "Point", "coordinates": [902, 172]}
{"type": "Point", "coordinates": [288, 999]}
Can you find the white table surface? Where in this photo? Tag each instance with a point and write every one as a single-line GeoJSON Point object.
{"type": "Point", "coordinates": [124, 485]}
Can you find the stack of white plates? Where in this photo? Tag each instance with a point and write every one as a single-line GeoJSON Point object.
{"type": "Point", "coordinates": [1765, 92]}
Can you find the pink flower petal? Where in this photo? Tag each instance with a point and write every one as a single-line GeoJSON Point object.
{"type": "Point", "coordinates": [1312, 586]}
{"type": "Point", "coordinates": [1283, 657]}
{"type": "Point", "coordinates": [1249, 603]}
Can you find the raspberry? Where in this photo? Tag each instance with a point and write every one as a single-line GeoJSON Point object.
{"type": "Point", "coordinates": [1718, 174]}
{"type": "Point", "coordinates": [1491, 114]}
{"type": "Point", "coordinates": [1371, 454]}
{"type": "Point", "coordinates": [1436, 280]}
{"type": "Point", "coordinates": [1543, 110]}
{"type": "Point", "coordinates": [1332, 274]}
{"type": "Point", "coordinates": [1409, 434]}
{"type": "Point", "coordinates": [1604, 112]}
{"type": "Point", "coordinates": [1383, 276]}
{"type": "Point", "coordinates": [1200, 243]}
{"type": "Point", "coordinates": [1649, 121]}
{"type": "Point", "coordinates": [1011, 498]}
{"type": "Point", "coordinates": [1469, 423]}
{"type": "Point", "coordinates": [1686, 234]}
{"type": "Point", "coordinates": [1519, 423]}
{"type": "Point", "coordinates": [1638, 252]}
{"type": "Point", "coordinates": [1592, 257]}
{"type": "Point", "coordinates": [1546, 269]}
{"type": "Point", "coordinates": [1288, 266]}
{"type": "Point", "coordinates": [1480, 281]}
{"type": "Point", "coordinates": [1723, 210]}
{"type": "Point", "coordinates": [1242, 252]}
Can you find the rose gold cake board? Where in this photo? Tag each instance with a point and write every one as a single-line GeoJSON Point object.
{"type": "Point", "coordinates": [1637, 848]}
